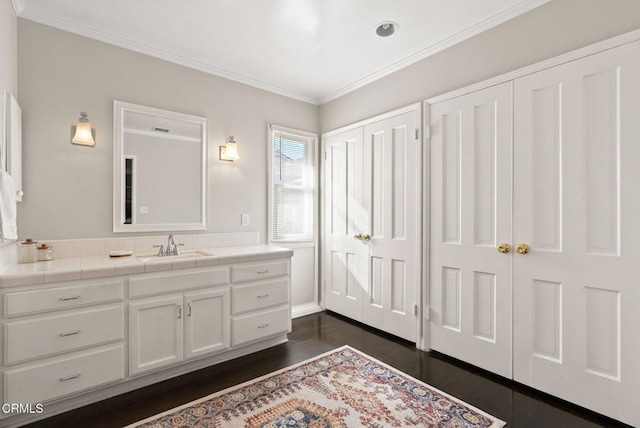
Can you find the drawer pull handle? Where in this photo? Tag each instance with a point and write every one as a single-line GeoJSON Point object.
{"type": "Point", "coordinates": [263, 325]}
{"type": "Point", "coordinates": [70, 334]}
{"type": "Point", "coordinates": [263, 271]}
{"type": "Point", "coordinates": [64, 299]}
{"type": "Point", "coordinates": [262, 296]}
{"type": "Point", "coordinates": [75, 376]}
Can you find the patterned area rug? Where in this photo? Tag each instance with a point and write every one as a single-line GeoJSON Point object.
{"type": "Point", "coordinates": [342, 388]}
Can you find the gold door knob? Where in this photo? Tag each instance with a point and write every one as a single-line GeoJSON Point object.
{"type": "Point", "coordinates": [366, 237]}
{"type": "Point", "coordinates": [522, 249]}
{"type": "Point", "coordinates": [358, 236]}
{"type": "Point", "coordinates": [504, 248]}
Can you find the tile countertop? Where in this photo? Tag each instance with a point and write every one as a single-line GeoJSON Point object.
{"type": "Point", "coordinates": [73, 268]}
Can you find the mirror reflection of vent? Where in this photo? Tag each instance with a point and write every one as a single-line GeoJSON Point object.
{"type": "Point", "coordinates": [158, 129]}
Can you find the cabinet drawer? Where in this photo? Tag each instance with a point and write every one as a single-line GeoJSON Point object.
{"type": "Point", "coordinates": [158, 283]}
{"type": "Point", "coordinates": [71, 296]}
{"type": "Point", "coordinates": [24, 340]}
{"type": "Point", "coordinates": [42, 382]}
{"type": "Point", "coordinates": [253, 327]}
{"type": "Point", "coordinates": [260, 295]}
{"type": "Point", "coordinates": [255, 271]}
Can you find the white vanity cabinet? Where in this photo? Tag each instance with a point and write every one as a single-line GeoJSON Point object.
{"type": "Point", "coordinates": [260, 295]}
{"type": "Point", "coordinates": [62, 339]}
{"type": "Point", "coordinates": [71, 343]}
{"type": "Point", "coordinates": [170, 328]}
{"type": "Point", "coordinates": [155, 333]}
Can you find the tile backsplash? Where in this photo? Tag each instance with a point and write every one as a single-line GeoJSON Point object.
{"type": "Point", "coordinates": [138, 244]}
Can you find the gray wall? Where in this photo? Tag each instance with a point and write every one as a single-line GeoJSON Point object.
{"type": "Point", "coordinates": [8, 48]}
{"type": "Point", "coordinates": [552, 29]}
{"type": "Point", "coordinates": [68, 188]}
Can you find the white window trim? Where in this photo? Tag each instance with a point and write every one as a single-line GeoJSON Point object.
{"type": "Point", "coordinates": [271, 128]}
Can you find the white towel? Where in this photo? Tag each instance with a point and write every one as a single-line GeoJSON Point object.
{"type": "Point", "coordinates": [8, 228]}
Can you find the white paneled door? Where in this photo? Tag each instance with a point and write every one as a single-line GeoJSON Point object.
{"type": "Point", "coordinates": [470, 280]}
{"type": "Point", "coordinates": [553, 302]}
{"type": "Point", "coordinates": [346, 273]}
{"type": "Point", "coordinates": [391, 200]}
{"type": "Point", "coordinates": [371, 218]}
{"type": "Point", "coordinates": [577, 206]}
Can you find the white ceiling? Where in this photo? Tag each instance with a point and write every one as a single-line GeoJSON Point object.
{"type": "Point", "coordinates": [312, 50]}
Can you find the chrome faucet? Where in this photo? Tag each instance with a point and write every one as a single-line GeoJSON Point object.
{"type": "Point", "coordinates": [170, 250]}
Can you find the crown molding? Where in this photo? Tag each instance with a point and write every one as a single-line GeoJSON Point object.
{"type": "Point", "coordinates": [18, 6]}
{"type": "Point", "coordinates": [62, 24]}
{"type": "Point", "coordinates": [46, 19]}
{"type": "Point", "coordinates": [612, 43]}
{"type": "Point", "coordinates": [456, 38]}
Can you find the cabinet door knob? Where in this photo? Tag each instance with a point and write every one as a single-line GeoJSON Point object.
{"type": "Point", "coordinates": [504, 248]}
{"type": "Point", "coordinates": [358, 236]}
{"type": "Point", "coordinates": [366, 237]}
{"type": "Point", "coordinates": [522, 249]}
{"type": "Point", "coordinates": [19, 193]}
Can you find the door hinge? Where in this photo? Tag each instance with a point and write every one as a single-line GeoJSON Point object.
{"type": "Point", "coordinates": [416, 134]}
{"type": "Point", "coordinates": [427, 131]}
{"type": "Point", "coordinates": [324, 284]}
{"type": "Point", "coordinates": [415, 309]}
{"type": "Point", "coordinates": [325, 155]}
{"type": "Point", "coordinates": [427, 313]}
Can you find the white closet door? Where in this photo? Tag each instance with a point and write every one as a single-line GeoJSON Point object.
{"type": "Point", "coordinates": [372, 190]}
{"type": "Point", "coordinates": [470, 281]}
{"type": "Point", "coordinates": [391, 160]}
{"type": "Point", "coordinates": [345, 261]}
{"type": "Point", "coordinates": [577, 205]}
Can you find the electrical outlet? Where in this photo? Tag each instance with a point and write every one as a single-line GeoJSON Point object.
{"type": "Point", "coordinates": [144, 210]}
{"type": "Point", "coordinates": [244, 219]}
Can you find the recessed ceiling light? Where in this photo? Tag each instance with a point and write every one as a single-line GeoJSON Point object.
{"type": "Point", "coordinates": [387, 28]}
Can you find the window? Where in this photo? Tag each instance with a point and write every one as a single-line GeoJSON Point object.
{"type": "Point", "coordinates": [293, 185]}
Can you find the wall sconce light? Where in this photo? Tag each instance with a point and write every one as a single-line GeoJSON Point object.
{"type": "Point", "coordinates": [82, 133]}
{"type": "Point", "coordinates": [229, 152]}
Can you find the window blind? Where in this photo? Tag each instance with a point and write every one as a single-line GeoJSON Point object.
{"type": "Point", "coordinates": [294, 187]}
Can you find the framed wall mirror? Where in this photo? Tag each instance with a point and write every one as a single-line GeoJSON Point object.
{"type": "Point", "coordinates": [160, 170]}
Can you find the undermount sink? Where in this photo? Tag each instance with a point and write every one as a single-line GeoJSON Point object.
{"type": "Point", "coordinates": [169, 258]}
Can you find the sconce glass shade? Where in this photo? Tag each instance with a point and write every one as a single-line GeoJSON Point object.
{"type": "Point", "coordinates": [229, 152]}
{"type": "Point", "coordinates": [83, 134]}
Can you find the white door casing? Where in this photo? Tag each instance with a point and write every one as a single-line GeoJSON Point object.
{"type": "Point", "coordinates": [372, 189]}
{"type": "Point", "coordinates": [470, 190]}
{"type": "Point", "coordinates": [576, 199]}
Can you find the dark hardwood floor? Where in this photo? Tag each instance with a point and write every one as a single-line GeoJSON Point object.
{"type": "Point", "coordinates": [519, 406]}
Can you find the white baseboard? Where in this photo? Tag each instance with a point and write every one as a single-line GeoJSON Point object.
{"type": "Point", "coordinates": [305, 309]}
